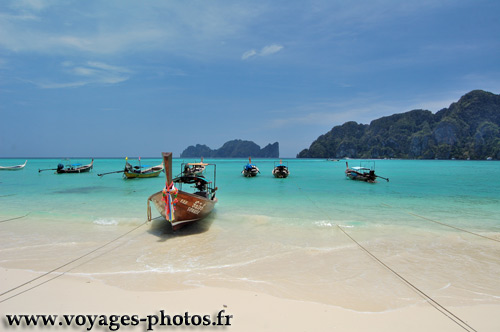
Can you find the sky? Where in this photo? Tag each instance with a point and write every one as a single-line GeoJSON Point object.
{"type": "Point", "coordinates": [120, 78]}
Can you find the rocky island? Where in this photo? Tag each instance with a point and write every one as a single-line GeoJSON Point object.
{"type": "Point", "coordinates": [467, 129]}
{"type": "Point", "coordinates": [233, 149]}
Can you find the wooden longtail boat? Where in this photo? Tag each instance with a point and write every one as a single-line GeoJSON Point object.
{"type": "Point", "coordinates": [75, 168]}
{"type": "Point", "coordinates": [141, 171]}
{"type": "Point", "coordinates": [194, 168]}
{"type": "Point", "coordinates": [250, 170]}
{"type": "Point", "coordinates": [144, 171]}
{"type": "Point", "coordinates": [71, 168]}
{"type": "Point", "coordinates": [180, 207]}
{"type": "Point", "coordinates": [13, 168]}
{"type": "Point", "coordinates": [364, 172]}
{"type": "Point", "coordinates": [281, 170]}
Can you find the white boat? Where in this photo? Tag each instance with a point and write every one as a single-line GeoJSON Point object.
{"type": "Point", "coordinates": [13, 168]}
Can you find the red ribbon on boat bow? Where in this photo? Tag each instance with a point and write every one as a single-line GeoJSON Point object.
{"type": "Point", "coordinates": [170, 199]}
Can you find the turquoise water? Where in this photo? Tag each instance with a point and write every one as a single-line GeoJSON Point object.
{"type": "Point", "coordinates": [276, 235]}
{"type": "Point", "coordinates": [464, 193]}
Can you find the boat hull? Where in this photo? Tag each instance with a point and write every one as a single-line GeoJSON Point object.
{"type": "Point", "coordinates": [13, 168]}
{"type": "Point", "coordinates": [132, 175]}
{"type": "Point", "coordinates": [280, 172]}
{"type": "Point", "coordinates": [84, 169]}
{"type": "Point", "coordinates": [280, 175]}
{"type": "Point", "coordinates": [249, 174]}
{"type": "Point", "coordinates": [353, 175]}
{"type": "Point", "coordinates": [188, 209]}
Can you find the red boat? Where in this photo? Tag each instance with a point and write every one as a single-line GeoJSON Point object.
{"type": "Point", "coordinates": [178, 206]}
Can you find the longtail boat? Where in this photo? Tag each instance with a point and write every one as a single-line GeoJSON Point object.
{"type": "Point", "coordinates": [13, 168]}
{"type": "Point", "coordinates": [250, 170]}
{"type": "Point", "coordinates": [71, 168]}
{"type": "Point", "coordinates": [365, 172]}
{"type": "Point", "coordinates": [141, 171]}
{"type": "Point", "coordinates": [74, 168]}
{"type": "Point", "coordinates": [194, 168]}
{"type": "Point", "coordinates": [180, 207]}
{"type": "Point", "coordinates": [281, 170]}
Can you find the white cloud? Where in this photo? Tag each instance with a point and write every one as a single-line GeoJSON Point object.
{"type": "Point", "coordinates": [91, 72]}
{"type": "Point", "coordinates": [248, 54]}
{"type": "Point", "coordinates": [271, 49]}
{"type": "Point", "coordinates": [36, 5]}
{"type": "Point", "coordinates": [362, 109]}
{"type": "Point", "coordinates": [265, 51]}
{"type": "Point", "coordinates": [114, 27]}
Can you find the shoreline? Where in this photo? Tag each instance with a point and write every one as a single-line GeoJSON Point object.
{"type": "Point", "coordinates": [251, 311]}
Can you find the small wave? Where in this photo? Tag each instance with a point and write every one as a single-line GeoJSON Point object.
{"type": "Point", "coordinates": [324, 223]}
{"type": "Point", "coordinates": [329, 223]}
{"type": "Point", "coordinates": [105, 222]}
{"type": "Point", "coordinates": [347, 226]}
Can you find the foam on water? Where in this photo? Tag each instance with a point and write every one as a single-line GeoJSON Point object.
{"type": "Point", "coordinates": [106, 222]}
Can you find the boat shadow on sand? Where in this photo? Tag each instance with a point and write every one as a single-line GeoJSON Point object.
{"type": "Point", "coordinates": [162, 229]}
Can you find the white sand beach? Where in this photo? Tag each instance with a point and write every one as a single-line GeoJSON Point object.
{"type": "Point", "coordinates": [251, 311]}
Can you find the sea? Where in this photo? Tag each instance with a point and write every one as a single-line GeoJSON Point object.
{"type": "Point", "coordinates": [314, 236]}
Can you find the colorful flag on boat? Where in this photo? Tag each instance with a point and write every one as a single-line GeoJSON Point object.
{"type": "Point", "coordinates": [170, 199]}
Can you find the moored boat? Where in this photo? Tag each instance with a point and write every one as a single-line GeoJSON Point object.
{"type": "Point", "coordinates": [74, 168]}
{"type": "Point", "coordinates": [365, 172]}
{"type": "Point", "coordinates": [13, 168]}
{"type": "Point", "coordinates": [281, 170]}
{"type": "Point", "coordinates": [178, 206]}
{"type": "Point", "coordinates": [250, 170]}
{"type": "Point", "coordinates": [141, 171]}
{"type": "Point", "coordinates": [71, 168]}
{"type": "Point", "coordinates": [194, 168]}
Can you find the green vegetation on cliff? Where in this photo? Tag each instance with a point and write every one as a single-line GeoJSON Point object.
{"type": "Point", "coordinates": [469, 128]}
{"type": "Point", "coordinates": [233, 149]}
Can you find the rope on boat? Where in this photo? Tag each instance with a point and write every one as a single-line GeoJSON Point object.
{"type": "Point", "coordinates": [447, 225]}
{"type": "Point", "coordinates": [429, 299]}
{"type": "Point", "coordinates": [421, 293]}
{"type": "Point", "coordinates": [61, 266]}
{"type": "Point", "coordinates": [57, 276]}
{"type": "Point", "coordinates": [15, 218]}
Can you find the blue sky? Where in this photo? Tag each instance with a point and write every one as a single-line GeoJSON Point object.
{"type": "Point", "coordinates": [135, 78]}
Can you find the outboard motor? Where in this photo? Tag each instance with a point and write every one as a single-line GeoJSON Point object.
{"type": "Point", "coordinates": [60, 167]}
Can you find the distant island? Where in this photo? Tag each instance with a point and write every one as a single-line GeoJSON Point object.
{"type": "Point", "coordinates": [468, 129]}
{"type": "Point", "coordinates": [233, 149]}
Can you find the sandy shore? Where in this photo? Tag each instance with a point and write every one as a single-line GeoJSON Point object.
{"type": "Point", "coordinates": [251, 311]}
